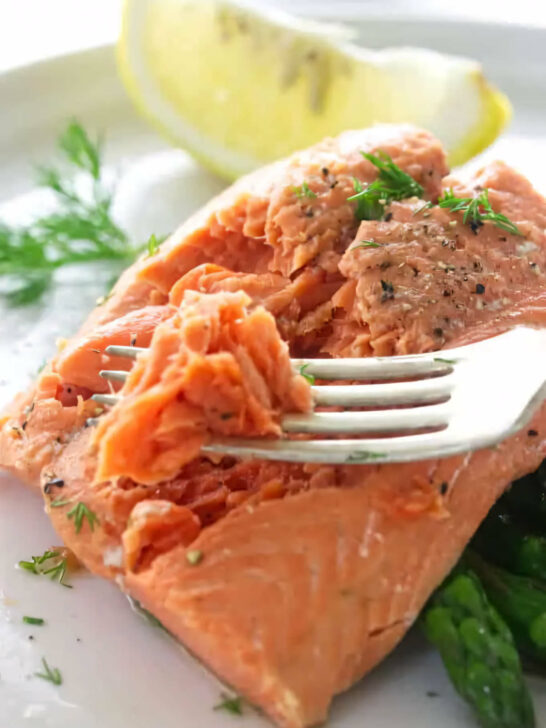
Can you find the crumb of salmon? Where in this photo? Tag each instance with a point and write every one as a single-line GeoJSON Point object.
{"type": "Point", "coordinates": [214, 356]}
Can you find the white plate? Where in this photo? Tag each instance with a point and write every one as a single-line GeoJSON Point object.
{"type": "Point", "coordinates": [118, 670]}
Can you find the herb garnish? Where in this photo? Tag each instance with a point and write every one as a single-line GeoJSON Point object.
{"type": "Point", "coordinates": [475, 216]}
{"type": "Point", "coordinates": [33, 620]}
{"type": "Point", "coordinates": [152, 246]}
{"type": "Point", "coordinates": [363, 456]}
{"type": "Point", "coordinates": [52, 674]}
{"type": "Point", "coordinates": [230, 703]}
{"type": "Point", "coordinates": [444, 361]}
{"type": "Point", "coordinates": [391, 184]}
{"type": "Point", "coordinates": [81, 230]}
{"type": "Point", "coordinates": [424, 207]}
{"type": "Point", "coordinates": [366, 244]}
{"type": "Point", "coordinates": [194, 556]}
{"type": "Point", "coordinates": [59, 502]}
{"type": "Point", "coordinates": [309, 377]}
{"type": "Point", "coordinates": [50, 563]}
{"type": "Point", "coordinates": [304, 190]}
{"type": "Point", "coordinates": [79, 512]}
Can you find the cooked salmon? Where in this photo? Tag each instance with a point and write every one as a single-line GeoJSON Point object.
{"type": "Point", "coordinates": [214, 367]}
{"type": "Point", "coordinates": [289, 581]}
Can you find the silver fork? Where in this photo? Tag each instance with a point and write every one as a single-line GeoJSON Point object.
{"type": "Point", "coordinates": [471, 397]}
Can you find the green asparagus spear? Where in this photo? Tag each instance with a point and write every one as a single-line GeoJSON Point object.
{"type": "Point", "coordinates": [478, 652]}
{"type": "Point", "coordinates": [505, 540]}
{"type": "Point", "coordinates": [520, 600]}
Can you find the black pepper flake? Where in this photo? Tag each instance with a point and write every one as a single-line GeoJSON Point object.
{"type": "Point", "coordinates": [443, 488]}
{"type": "Point", "coordinates": [447, 293]}
{"type": "Point", "coordinates": [475, 225]}
{"type": "Point", "coordinates": [334, 184]}
{"type": "Point", "coordinates": [503, 238]}
{"type": "Point", "coordinates": [532, 433]}
{"type": "Point", "coordinates": [53, 483]}
{"type": "Point", "coordinates": [388, 291]}
{"type": "Point", "coordinates": [438, 332]}
{"type": "Point", "coordinates": [226, 415]}
{"type": "Point", "coordinates": [28, 410]}
{"type": "Point", "coordinates": [385, 264]}
{"type": "Point", "coordinates": [309, 213]}
{"type": "Point", "coordinates": [480, 288]}
{"type": "Point", "coordinates": [415, 271]}
{"type": "Point", "coordinates": [325, 171]}
{"type": "Point", "coordinates": [388, 217]}
{"type": "Point", "coordinates": [24, 425]}
{"type": "Point", "coordinates": [132, 342]}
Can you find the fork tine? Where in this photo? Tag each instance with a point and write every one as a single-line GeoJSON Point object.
{"type": "Point", "coordinates": [405, 448]}
{"type": "Point", "coordinates": [375, 368]}
{"type": "Point", "coordinates": [109, 399]}
{"type": "Point", "coordinates": [354, 395]}
{"type": "Point", "coordinates": [383, 395]}
{"type": "Point", "coordinates": [114, 375]}
{"type": "Point", "coordinates": [131, 352]}
{"type": "Point", "coordinates": [356, 423]}
{"type": "Point", "coordinates": [361, 368]}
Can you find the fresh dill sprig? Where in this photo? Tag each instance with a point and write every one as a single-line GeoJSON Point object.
{"type": "Point", "coordinates": [50, 563]}
{"type": "Point", "coordinates": [60, 502]}
{"type": "Point", "coordinates": [304, 190]}
{"type": "Point", "coordinates": [366, 244]}
{"type": "Point", "coordinates": [80, 230]}
{"type": "Point", "coordinates": [476, 211]}
{"type": "Point", "coordinates": [52, 674]}
{"type": "Point", "coordinates": [80, 512]}
{"type": "Point", "coordinates": [309, 377]}
{"type": "Point", "coordinates": [231, 704]}
{"type": "Point", "coordinates": [392, 183]}
{"type": "Point", "coordinates": [38, 621]}
{"type": "Point", "coordinates": [152, 246]}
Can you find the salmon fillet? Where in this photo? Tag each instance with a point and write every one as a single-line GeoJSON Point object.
{"type": "Point", "coordinates": [289, 581]}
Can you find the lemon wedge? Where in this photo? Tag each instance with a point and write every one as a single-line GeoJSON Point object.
{"type": "Point", "coordinates": [238, 87]}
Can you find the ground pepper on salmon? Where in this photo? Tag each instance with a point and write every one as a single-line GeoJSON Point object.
{"type": "Point", "coordinates": [306, 575]}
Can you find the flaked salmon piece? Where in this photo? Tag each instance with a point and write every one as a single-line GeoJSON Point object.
{"type": "Point", "coordinates": [213, 368]}
{"type": "Point", "coordinates": [80, 361]}
{"type": "Point", "coordinates": [291, 581]}
{"type": "Point", "coordinates": [212, 278]}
